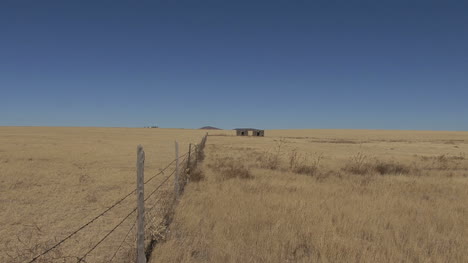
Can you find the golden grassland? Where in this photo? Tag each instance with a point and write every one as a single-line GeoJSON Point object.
{"type": "Point", "coordinates": [54, 179]}
{"type": "Point", "coordinates": [293, 196]}
{"type": "Point", "coordinates": [325, 196]}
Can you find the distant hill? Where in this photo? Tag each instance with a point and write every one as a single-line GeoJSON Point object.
{"type": "Point", "coordinates": [209, 128]}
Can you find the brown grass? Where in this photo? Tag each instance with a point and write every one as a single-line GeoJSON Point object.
{"type": "Point", "coordinates": [346, 212]}
{"type": "Point", "coordinates": [59, 178]}
{"type": "Point", "coordinates": [308, 166]}
{"type": "Point", "coordinates": [384, 168]}
{"type": "Point", "coordinates": [323, 200]}
{"type": "Point", "coordinates": [229, 168]}
{"type": "Point", "coordinates": [196, 175]}
{"type": "Point", "coordinates": [270, 159]}
{"type": "Point", "coordinates": [361, 164]}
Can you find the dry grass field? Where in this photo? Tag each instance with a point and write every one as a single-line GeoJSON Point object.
{"type": "Point", "coordinates": [292, 196]}
{"type": "Point", "coordinates": [52, 180]}
{"type": "Point", "coordinates": [326, 196]}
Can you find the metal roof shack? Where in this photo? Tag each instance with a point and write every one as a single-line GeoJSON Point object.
{"type": "Point", "coordinates": [250, 132]}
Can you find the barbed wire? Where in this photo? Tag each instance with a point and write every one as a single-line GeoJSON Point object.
{"type": "Point", "coordinates": [123, 241]}
{"type": "Point", "coordinates": [125, 218]}
{"type": "Point", "coordinates": [108, 234]}
{"type": "Point", "coordinates": [165, 168]}
{"type": "Point", "coordinates": [151, 208]}
{"type": "Point", "coordinates": [104, 212]}
{"type": "Point", "coordinates": [82, 227]}
{"type": "Point", "coordinates": [159, 186]}
{"type": "Point", "coordinates": [147, 211]}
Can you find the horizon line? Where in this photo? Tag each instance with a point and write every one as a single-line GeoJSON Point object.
{"type": "Point", "coordinates": [149, 127]}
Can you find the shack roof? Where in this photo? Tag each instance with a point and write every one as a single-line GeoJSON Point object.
{"type": "Point", "coordinates": [247, 129]}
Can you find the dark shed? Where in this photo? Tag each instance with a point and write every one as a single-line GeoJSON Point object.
{"type": "Point", "coordinates": [253, 132]}
{"type": "Point", "coordinates": [242, 132]}
{"type": "Point", "coordinates": [259, 133]}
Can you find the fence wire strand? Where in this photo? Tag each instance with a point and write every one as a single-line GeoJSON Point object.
{"type": "Point", "coordinates": [123, 241]}
{"type": "Point", "coordinates": [133, 225]}
{"type": "Point", "coordinates": [103, 213]}
{"type": "Point", "coordinates": [165, 168]}
{"type": "Point", "coordinates": [108, 234]}
{"type": "Point", "coordinates": [125, 218]}
{"type": "Point", "coordinates": [82, 227]}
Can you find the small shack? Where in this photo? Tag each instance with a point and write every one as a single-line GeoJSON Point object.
{"type": "Point", "coordinates": [259, 133]}
{"type": "Point", "coordinates": [250, 131]}
{"type": "Point", "coordinates": [242, 132]}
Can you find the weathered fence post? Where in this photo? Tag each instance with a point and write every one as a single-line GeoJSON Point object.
{"type": "Point", "coordinates": [188, 158]}
{"type": "Point", "coordinates": [196, 154]}
{"type": "Point", "coordinates": [141, 258]}
{"type": "Point", "coordinates": [204, 140]}
{"type": "Point", "coordinates": [176, 182]}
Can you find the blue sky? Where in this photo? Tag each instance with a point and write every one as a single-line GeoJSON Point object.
{"type": "Point", "coordinates": [264, 64]}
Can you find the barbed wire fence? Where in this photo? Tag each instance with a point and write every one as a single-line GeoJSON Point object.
{"type": "Point", "coordinates": [140, 227]}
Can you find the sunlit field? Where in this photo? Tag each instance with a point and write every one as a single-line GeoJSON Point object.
{"type": "Point", "coordinates": [52, 180]}
{"type": "Point", "coordinates": [292, 196]}
{"type": "Point", "coordinates": [325, 196]}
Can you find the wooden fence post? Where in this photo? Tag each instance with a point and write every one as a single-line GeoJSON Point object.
{"type": "Point", "coordinates": [188, 159]}
{"type": "Point", "coordinates": [176, 181]}
{"type": "Point", "coordinates": [141, 258]}
{"type": "Point", "coordinates": [196, 154]}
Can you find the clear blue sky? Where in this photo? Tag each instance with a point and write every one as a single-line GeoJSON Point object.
{"type": "Point", "coordinates": [264, 64]}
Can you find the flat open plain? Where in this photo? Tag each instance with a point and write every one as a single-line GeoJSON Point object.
{"type": "Point", "coordinates": [292, 196]}
{"type": "Point", "coordinates": [54, 179]}
{"type": "Point", "coordinates": [326, 196]}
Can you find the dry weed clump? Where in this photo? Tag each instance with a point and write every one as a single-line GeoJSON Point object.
{"type": "Point", "coordinates": [358, 164]}
{"type": "Point", "coordinates": [272, 160]}
{"type": "Point", "coordinates": [306, 169]}
{"type": "Point", "coordinates": [443, 161]}
{"type": "Point", "coordinates": [361, 164]}
{"type": "Point", "coordinates": [384, 168]}
{"type": "Point", "coordinates": [228, 168]}
{"type": "Point", "coordinates": [200, 156]}
{"type": "Point", "coordinates": [297, 162]}
{"type": "Point", "coordinates": [269, 160]}
{"type": "Point", "coordinates": [196, 175]}
{"type": "Point", "coordinates": [295, 159]}
{"type": "Point", "coordinates": [302, 165]}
